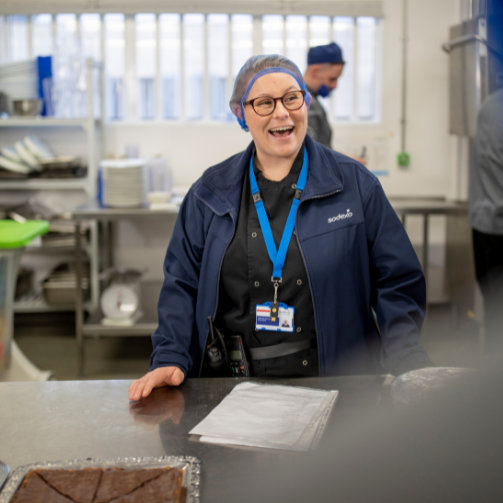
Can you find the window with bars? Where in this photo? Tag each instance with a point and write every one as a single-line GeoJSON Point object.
{"type": "Point", "coordinates": [184, 65]}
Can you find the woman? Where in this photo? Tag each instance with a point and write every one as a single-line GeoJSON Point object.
{"type": "Point", "coordinates": [289, 225]}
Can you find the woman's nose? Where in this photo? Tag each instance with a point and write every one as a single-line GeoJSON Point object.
{"type": "Point", "coordinates": [280, 112]}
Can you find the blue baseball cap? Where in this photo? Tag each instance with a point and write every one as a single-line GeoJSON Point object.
{"type": "Point", "coordinates": [330, 53]}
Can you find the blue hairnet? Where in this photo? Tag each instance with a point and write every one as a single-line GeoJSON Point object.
{"type": "Point", "coordinates": [254, 68]}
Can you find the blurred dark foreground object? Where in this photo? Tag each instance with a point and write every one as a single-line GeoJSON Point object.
{"type": "Point", "coordinates": [446, 446]}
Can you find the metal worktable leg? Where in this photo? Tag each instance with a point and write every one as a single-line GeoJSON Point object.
{"type": "Point", "coordinates": [426, 222]}
{"type": "Point", "coordinates": [79, 308]}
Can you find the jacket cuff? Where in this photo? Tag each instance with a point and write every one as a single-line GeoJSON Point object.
{"type": "Point", "coordinates": [413, 361]}
{"type": "Point", "coordinates": [169, 360]}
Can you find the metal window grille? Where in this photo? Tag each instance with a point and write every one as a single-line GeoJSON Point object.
{"type": "Point", "coordinates": [182, 67]}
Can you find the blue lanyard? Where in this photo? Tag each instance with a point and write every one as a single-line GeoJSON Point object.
{"type": "Point", "coordinates": [278, 257]}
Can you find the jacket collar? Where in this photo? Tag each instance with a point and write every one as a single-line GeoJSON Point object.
{"type": "Point", "coordinates": [221, 186]}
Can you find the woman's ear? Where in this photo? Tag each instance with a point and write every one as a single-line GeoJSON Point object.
{"type": "Point", "coordinates": [237, 111]}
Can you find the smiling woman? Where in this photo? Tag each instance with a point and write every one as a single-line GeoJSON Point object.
{"type": "Point", "coordinates": [292, 251]}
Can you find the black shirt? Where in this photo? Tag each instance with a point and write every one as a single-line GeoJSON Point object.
{"type": "Point", "coordinates": [245, 279]}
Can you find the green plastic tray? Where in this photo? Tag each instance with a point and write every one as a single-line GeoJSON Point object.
{"type": "Point", "coordinates": [16, 235]}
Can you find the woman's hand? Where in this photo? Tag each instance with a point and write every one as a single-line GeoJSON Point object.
{"type": "Point", "coordinates": [164, 376]}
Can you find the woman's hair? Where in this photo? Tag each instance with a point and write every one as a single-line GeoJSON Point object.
{"type": "Point", "coordinates": [255, 67]}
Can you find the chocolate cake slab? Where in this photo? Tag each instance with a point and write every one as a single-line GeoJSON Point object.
{"type": "Point", "coordinates": [118, 482]}
{"type": "Point", "coordinates": [116, 485]}
{"type": "Point", "coordinates": [165, 488]}
{"type": "Point", "coordinates": [170, 479]}
{"type": "Point", "coordinates": [36, 490]}
{"type": "Point", "coordinates": [78, 485]}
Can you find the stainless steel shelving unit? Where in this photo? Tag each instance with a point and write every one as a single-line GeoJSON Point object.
{"type": "Point", "coordinates": [146, 325]}
{"type": "Point", "coordinates": [93, 127]}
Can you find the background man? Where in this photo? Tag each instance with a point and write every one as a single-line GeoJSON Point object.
{"type": "Point", "coordinates": [324, 67]}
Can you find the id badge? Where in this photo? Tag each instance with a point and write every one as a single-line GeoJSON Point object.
{"type": "Point", "coordinates": [283, 322]}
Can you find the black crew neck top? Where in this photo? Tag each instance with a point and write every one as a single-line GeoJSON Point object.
{"type": "Point", "coordinates": [245, 279]}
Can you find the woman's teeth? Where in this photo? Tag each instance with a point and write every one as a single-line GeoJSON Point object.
{"type": "Point", "coordinates": [281, 131]}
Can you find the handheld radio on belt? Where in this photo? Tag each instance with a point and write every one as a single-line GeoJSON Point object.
{"type": "Point", "coordinates": [227, 351]}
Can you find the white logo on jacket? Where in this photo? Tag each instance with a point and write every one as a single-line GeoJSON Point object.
{"type": "Point", "coordinates": [340, 216]}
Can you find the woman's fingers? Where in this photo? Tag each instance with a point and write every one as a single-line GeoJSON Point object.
{"type": "Point", "coordinates": [132, 388]}
{"type": "Point", "coordinates": [137, 392]}
{"type": "Point", "coordinates": [164, 376]}
{"type": "Point", "coordinates": [153, 381]}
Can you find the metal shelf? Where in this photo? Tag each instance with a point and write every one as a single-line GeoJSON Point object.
{"type": "Point", "coordinates": [55, 249]}
{"type": "Point", "coordinates": [47, 122]}
{"type": "Point", "coordinates": [35, 303]}
{"type": "Point", "coordinates": [92, 211]}
{"type": "Point", "coordinates": [45, 184]}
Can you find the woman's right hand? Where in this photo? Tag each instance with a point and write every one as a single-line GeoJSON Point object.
{"type": "Point", "coordinates": [163, 376]}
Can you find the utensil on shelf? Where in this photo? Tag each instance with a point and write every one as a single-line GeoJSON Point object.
{"type": "Point", "coordinates": [4, 473]}
{"type": "Point", "coordinates": [27, 108]}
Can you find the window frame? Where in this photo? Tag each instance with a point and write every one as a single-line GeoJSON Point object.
{"type": "Point", "coordinates": [131, 85]}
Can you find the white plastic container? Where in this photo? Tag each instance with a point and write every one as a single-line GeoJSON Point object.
{"type": "Point", "coordinates": [159, 174]}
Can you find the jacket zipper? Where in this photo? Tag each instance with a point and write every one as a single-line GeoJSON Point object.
{"type": "Point", "coordinates": [307, 272]}
{"type": "Point", "coordinates": [217, 293]}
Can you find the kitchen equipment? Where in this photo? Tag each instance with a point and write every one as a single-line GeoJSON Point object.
{"type": "Point", "coordinates": [59, 287]}
{"type": "Point", "coordinates": [123, 183]}
{"type": "Point", "coordinates": [28, 107]}
{"type": "Point", "coordinates": [27, 157]}
{"type": "Point", "coordinates": [475, 65]}
{"type": "Point", "coordinates": [38, 148]}
{"type": "Point", "coordinates": [120, 302]}
{"type": "Point", "coordinates": [160, 175]}
{"type": "Point", "coordinates": [14, 166]}
{"type": "Point", "coordinates": [10, 153]}
{"type": "Point", "coordinates": [19, 80]}
{"type": "Point", "coordinates": [59, 163]}
{"type": "Point", "coordinates": [24, 282]}
{"type": "Point", "coordinates": [4, 473]}
{"type": "Point", "coordinates": [4, 104]}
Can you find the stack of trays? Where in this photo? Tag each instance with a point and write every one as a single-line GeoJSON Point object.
{"type": "Point", "coordinates": [123, 183]}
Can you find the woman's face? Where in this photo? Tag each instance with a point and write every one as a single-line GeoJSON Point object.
{"type": "Point", "coordinates": [264, 129]}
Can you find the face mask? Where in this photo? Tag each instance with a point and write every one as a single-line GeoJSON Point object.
{"type": "Point", "coordinates": [324, 91]}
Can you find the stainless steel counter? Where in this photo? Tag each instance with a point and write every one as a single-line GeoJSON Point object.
{"type": "Point", "coordinates": [68, 420]}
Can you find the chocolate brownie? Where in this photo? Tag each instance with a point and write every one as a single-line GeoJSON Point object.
{"type": "Point", "coordinates": [111, 485]}
{"type": "Point", "coordinates": [35, 490]}
{"type": "Point", "coordinates": [80, 487]}
{"type": "Point", "coordinates": [117, 482]}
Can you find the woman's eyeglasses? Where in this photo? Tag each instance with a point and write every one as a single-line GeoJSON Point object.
{"type": "Point", "coordinates": [265, 105]}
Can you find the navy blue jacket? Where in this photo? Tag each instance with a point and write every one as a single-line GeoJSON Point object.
{"type": "Point", "coordinates": [366, 282]}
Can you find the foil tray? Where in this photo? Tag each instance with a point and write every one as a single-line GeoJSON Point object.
{"type": "Point", "coordinates": [191, 471]}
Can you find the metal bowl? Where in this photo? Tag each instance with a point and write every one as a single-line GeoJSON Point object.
{"type": "Point", "coordinates": [27, 108]}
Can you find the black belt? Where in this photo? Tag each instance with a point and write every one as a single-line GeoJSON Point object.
{"type": "Point", "coordinates": [283, 349]}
